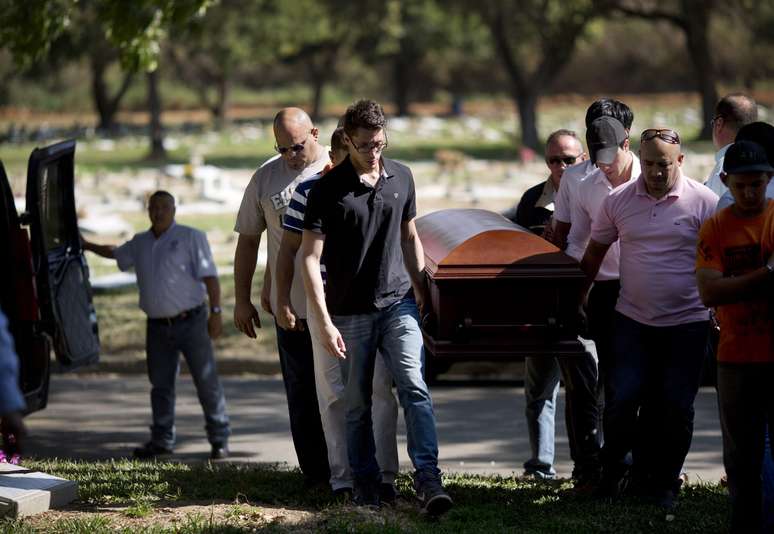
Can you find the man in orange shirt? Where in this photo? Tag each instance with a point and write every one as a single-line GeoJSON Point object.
{"type": "Point", "coordinates": [733, 270]}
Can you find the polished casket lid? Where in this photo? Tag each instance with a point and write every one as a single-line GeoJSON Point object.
{"type": "Point", "coordinates": [477, 243]}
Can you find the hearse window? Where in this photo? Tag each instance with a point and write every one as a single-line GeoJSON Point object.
{"type": "Point", "coordinates": [51, 205]}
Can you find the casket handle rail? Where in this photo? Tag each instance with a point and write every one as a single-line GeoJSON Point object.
{"type": "Point", "coordinates": [463, 330]}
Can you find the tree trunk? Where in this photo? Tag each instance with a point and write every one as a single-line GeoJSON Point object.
{"type": "Point", "coordinates": [99, 92]}
{"type": "Point", "coordinates": [697, 19]}
{"type": "Point", "coordinates": [220, 108]}
{"type": "Point", "coordinates": [401, 81]}
{"type": "Point", "coordinates": [318, 85]}
{"type": "Point", "coordinates": [156, 131]}
{"type": "Point", "coordinates": [526, 103]}
{"type": "Point", "coordinates": [105, 105]}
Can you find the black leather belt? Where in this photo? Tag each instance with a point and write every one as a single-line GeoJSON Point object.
{"type": "Point", "coordinates": [182, 316]}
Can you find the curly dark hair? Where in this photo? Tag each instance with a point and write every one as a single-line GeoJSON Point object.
{"type": "Point", "coordinates": [363, 114]}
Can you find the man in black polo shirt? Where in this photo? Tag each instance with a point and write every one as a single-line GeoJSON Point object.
{"type": "Point", "coordinates": [360, 220]}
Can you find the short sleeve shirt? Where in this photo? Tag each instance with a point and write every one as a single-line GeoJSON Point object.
{"type": "Point", "coordinates": [362, 226]}
{"type": "Point", "coordinates": [169, 269]}
{"type": "Point", "coordinates": [589, 195]}
{"type": "Point", "coordinates": [294, 216]}
{"type": "Point", "coordinates": [732, 245]}
{"type": "Point", "coordinates": [658, 249]}
{"type": "Point", "coordinates": [571, 177]}
{"type": "Point", "coordinates": [264, 203]}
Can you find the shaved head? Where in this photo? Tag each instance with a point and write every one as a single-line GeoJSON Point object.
{"type": "Point", "coordinates": [296, 138]}
{"type": "Point", "coordinates": [661, 162]}
{"type": "Point", "coordinates": [290, 117]}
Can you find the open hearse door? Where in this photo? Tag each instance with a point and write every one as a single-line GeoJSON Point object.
{"type": "Point", "coordinates": [61, 271]}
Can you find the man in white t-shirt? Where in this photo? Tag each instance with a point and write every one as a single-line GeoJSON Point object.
{"type": "Point", "coordinates": [263, 206]}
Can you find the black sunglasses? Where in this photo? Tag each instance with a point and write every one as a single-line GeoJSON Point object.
{"type": "Point", "coordinates": [567, 160]}
{"type": "Point", "coordinates": [665, 134]}
{"type": "Point", "coordinates": [298, 147]}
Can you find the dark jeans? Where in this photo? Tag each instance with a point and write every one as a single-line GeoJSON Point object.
{"type": "Point", "coordinates": [582, 413]}
{"type": "Point", "coordinates": [164, 342]}
{"type": "Point", "coordinates": [295, 352]}
{"type": "Point", "coordinates": [746, 408]}
{"type": "Point", "coordinates": [601, 315]}
{"type": "Point", "coordinates": [651, 386]}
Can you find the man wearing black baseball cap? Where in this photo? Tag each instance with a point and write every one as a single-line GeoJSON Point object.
{"type": "Point", "coordinates": [604, 137]}
{"type": "Point", "coordinates": [734, 275]}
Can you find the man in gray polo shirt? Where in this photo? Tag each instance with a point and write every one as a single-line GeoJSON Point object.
{"type": "Point", "coordinates": [175, 270]}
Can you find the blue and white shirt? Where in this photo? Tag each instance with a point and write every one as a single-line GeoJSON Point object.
{"type": "Point", "coordinates": [293, 221]}
{"type": "Point", "coordinates": [169, 269]}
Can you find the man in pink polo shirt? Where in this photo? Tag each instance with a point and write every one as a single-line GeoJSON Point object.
{"type": "Point", "coordinates": [660, 326]}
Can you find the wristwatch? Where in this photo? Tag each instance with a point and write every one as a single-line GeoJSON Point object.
{"type": "Point", "coordinates": [215, 309]}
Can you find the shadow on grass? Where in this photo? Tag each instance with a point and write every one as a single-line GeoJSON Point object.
{"type": "Point", "coordinates": [482, 504]}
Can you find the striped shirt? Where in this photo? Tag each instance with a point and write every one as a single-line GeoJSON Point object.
{"type": "Point", "coordinates": [293, 220]}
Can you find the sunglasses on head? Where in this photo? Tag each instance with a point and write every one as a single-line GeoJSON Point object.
{"type": "Point", "coordinates": [556, 160]}
{"type": "Point", "coordinates": [665, 134]}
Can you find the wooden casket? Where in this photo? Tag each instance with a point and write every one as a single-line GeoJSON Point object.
{"type": "Point", "coordinates": [498, 291]}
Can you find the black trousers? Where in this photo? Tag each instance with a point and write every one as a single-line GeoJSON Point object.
{"type": "Point", "coordinates": [295, 352]}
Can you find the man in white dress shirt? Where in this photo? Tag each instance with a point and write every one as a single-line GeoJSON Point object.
{"type": "Point", "coordinates": [731, 113]}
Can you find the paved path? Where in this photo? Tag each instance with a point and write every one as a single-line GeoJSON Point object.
{"type": "Point", "coordinates": [480, 426]}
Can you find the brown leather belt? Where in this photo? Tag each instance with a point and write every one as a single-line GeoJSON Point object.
{"type": "Point", "coordinates": [182, 316]}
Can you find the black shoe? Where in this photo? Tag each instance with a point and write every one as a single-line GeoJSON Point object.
{"type": "Point", "coordinates": [150, 450]}
{"type": "Point", "coordinates": [366, 494]}
{"type": "Point", "coordinates": [219, 451]}
{"type": "Point", "coordinates": [612, 484]}
{"type": "Point", "coordinates": [435, 501]}
{"type": "Point", "coordinates": [388, 494]}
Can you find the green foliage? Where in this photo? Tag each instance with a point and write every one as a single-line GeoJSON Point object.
{"type": "Point", "coordinates": [28, 28]}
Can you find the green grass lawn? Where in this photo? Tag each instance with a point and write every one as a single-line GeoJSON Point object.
{"type": "Point", "coordinates": [122, 333]}
{"type": "Point", "coordinates": [127, 496]}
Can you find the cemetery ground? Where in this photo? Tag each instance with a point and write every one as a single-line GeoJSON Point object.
{"type": "Point", "coordinates": [127, 496]}
{"type": "Point", "coordinates": [207, 172]}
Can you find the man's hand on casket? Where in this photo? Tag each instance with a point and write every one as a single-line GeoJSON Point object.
{"type": "Point", "coordinates": [332, 341]}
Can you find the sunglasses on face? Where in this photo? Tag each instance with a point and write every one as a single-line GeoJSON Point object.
{"type": "Point", "coordinates": [298, 147]}
{"type": "Point", "coordinates": [666, 135]}
{"type": "Point", "coordinates": [567, 160]}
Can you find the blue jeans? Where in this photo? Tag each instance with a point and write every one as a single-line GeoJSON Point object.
{"type": "Point", "coordinates": [297, 363]}
{"type": "Point", "coordinates": [651, 384]}
{"type": "Point", "coordinates": [164, 343]}
{"type": "Point", "coordinates": [541, 386]}
{"type": "Point", "coordinates": [394, 331]}
{"type": "Point", "coordinates": [746, 410]}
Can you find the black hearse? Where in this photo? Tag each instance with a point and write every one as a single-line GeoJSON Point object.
{"type": "Point", "coordinates": [44, 278]}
